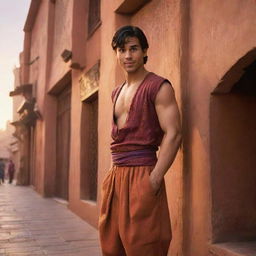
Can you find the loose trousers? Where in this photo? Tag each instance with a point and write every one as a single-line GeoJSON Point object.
{"type": "Point", "coordinates": [134, 220]}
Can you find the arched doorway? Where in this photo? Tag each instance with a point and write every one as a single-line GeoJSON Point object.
{"type": "Point", "coordinates": [233, 153]}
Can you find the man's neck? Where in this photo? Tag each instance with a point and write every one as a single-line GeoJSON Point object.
{"type": "Point", "coordinates": [133, 78]}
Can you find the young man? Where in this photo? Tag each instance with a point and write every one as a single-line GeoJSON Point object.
{"type": "Point", "coordinates": [134, 218]}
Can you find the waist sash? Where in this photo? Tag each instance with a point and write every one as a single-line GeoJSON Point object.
{"type": "Point", "coordinates": [134, 158]}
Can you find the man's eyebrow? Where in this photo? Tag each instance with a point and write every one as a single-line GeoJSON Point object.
{"type": "Point", "coordinates": [134, 46]}
{"type": "Point", "coordinates": [131, 46]}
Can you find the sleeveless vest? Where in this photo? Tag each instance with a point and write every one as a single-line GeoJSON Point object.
{"type": "Point", "coordinates": [136, 143]}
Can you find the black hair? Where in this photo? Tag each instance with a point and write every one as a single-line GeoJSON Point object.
{"type": "Point", "coordinates": [122, 33]}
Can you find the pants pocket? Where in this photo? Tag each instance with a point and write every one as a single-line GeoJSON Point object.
{"type": "Point", "coordinates": [144, 200]}
{"type": "Point", "coordinates": [151, 190]}
{"type": "Point", "coordinates": [144, 210]}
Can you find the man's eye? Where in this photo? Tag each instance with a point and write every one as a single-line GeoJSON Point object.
{"type": "Point", "coordinates": [121, 50]}
{"type": "Point", "coordinates": [133, 49]}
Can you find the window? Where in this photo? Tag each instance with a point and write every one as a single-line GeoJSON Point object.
{"type": "Point", "coordinates": [93, 16]}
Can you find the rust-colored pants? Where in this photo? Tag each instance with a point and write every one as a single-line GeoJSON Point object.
{"type": "Point", "coordinates": [134, 221]}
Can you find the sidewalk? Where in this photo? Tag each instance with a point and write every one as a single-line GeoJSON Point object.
{"type": "Point", "coordinates": [32, 225]}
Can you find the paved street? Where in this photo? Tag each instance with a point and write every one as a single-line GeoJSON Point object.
{"type": "Point", "coordinates": [32, 225]}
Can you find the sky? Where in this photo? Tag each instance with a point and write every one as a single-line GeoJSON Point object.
{"type": "Point", "coordinates": [12, 20]}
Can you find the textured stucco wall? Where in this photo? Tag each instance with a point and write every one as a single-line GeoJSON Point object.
{"type": "Point", "coordinates": [37, 72]}
{"type": "Point", "coordinates": [61, 39]}
{"type": "Point", "coordinates": [220, 33]}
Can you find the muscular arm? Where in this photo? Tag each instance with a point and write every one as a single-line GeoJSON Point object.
{"type": "Point", "coordinates": [169, 118]}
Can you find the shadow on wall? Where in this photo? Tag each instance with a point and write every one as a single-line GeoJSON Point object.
{"type": "Point", "coordinates": [233, 149]}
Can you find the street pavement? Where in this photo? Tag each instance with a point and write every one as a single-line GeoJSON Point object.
{"type": "Point", "coordinates": [33, 225]}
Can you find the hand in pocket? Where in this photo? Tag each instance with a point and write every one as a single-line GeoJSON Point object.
{"type": "Point", "coordinates": [155, 184]}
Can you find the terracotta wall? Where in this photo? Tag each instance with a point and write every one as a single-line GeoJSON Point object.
{"type": "Point", "coordinates": [37, 68]}
{"type": "Point", "coordinates": [220, 33]}
{"type": "Point", "coordinates": [61, 38]}
{"type": "Point", "coordinates": [38, 48]}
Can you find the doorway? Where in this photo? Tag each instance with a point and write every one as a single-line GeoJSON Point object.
{"type": "Point", "coordinates": [63, 143]}
{"type": "Point", "coordinates": [233, 147]}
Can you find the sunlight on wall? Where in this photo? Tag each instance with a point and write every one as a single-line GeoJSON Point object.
{"type": "Point", "coordinates": [5, 110]}
{"type": "Point", "coordinates": [12, 21]}
{"type": "Point", "coordinates": [7, 80]}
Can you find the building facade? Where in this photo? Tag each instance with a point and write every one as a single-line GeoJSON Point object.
{"type": "Point", "coordinates": [16, 139]}
{"type": "Point", "coordinates": [6, 140]}
{"type": "Point", "coordinates": [206, 49]}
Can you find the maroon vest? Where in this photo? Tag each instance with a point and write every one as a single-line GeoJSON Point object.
{"type": "Point", "coordinates": [137, 142]}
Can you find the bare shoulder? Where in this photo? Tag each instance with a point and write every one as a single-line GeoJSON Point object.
{"type": "Point", "coordinates": [165, 95]}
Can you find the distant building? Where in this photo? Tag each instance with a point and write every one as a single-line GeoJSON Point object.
{"type": "Point", "coordinates": [14, 145]}
{"type": "Point", "coordinates": [6, 139]}
{"type": "Point", "coordinates": [206, 49]}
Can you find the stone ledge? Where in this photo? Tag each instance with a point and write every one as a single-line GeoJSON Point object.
{"type": "Point", "coordinates": [128, 7]}
{"type": "Point", "coordinates": [234, 249]}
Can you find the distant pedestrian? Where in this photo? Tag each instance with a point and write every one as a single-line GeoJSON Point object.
{"type": "Point", "coordinates": [11, 171]}
{"type": "Point", "coordinates": [2, 167]}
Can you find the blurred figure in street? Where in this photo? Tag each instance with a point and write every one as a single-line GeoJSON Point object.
{"type": "Point", "coordinates": [11, 171]}
{"type": "Point", "coordinates": [2, 167]}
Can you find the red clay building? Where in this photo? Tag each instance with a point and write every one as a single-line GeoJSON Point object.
{"type": "Point", "coordinates": [207, 50]}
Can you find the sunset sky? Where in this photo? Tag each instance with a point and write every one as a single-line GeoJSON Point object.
{"type": "Point", "coordinates": [12, 20]}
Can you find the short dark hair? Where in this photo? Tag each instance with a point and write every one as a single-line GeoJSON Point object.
{"type": "Point", "coordinates": [122, 33]}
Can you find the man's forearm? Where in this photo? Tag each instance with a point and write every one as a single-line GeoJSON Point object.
{"type": "Point", "coordinates": [168, 150]}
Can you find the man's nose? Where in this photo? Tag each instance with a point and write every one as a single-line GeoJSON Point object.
{"type": "Point", "coordinates": [127, 54]}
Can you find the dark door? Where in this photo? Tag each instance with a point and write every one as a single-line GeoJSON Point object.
{"type": "Point", "coordinates": [89, 150]}
{"type": "Point", "coordinates": [63, 144]}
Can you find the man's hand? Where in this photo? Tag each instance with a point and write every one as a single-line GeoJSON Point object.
{"type": "Point", "coordinates": [155, 181]}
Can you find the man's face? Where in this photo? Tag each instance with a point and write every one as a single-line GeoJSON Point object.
{"type": "Point", "coordinates": [130, 57]}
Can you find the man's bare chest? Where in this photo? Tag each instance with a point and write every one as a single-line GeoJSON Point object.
{"type": "Point", "coordinates": [124, 100]}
